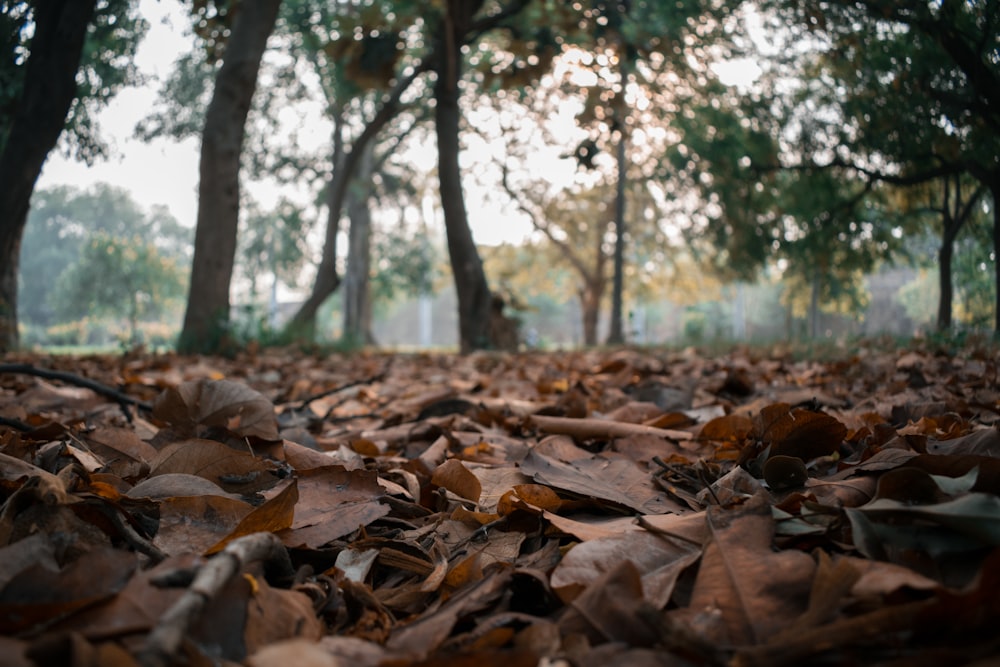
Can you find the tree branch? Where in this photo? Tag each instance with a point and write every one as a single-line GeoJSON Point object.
{"type": "Point", "coordinates": [70, 378]}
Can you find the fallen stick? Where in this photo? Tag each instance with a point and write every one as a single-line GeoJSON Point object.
{"type": "Point", "coordinates": [164, 641]}
{"type": "Point", "coordinates": [590, 428]}
{"type": "Point", "coordinates": [71, 378]}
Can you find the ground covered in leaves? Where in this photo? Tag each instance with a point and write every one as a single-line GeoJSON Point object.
{"type": "Point", "coordinates": [633, 507]}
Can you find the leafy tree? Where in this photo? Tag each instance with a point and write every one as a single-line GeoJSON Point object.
{"type": "Point", "coordinates": [61, 221]}
{"type": "Point", "coordinates": [975, 288]}
{"type": "Point", "coordinates": [578, 225]}
{"type": "Point", "coordinates": [59, 60]}
{"type": "Point", "coordinates": [955, 201]}
{"type": "Point", "coordinates": [916, 83]}
{"type": "Point", "coordinates": [370, 58]}
{"type": "Point", "coordinates": [272, 243]}
{"type": "Point", "coordinates": [392, 187]}
{"type": "Point", "coordinates": [126, 278]}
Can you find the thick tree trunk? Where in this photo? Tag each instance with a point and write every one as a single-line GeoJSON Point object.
{"type": "Point", "coordinates": [207, 316]}
{"type": "Point", "coordinates": [474, 299]}
{"type": "Point", "coordinates": [357, 301]}
{"type": "Point", "coordinates": [49, 90]}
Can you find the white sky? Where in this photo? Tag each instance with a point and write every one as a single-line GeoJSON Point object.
{"type": "Point", "coordinates": [165, 171]}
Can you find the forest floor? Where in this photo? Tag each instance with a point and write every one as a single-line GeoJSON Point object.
{"type": "Point", "coordinates": [633, 507]}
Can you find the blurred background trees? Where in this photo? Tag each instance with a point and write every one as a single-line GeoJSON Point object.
{"type": "Point", "coordinates": [685, 170]}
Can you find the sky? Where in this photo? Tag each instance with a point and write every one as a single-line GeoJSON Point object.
{"type": "Point", "coordinates": [165, 171]}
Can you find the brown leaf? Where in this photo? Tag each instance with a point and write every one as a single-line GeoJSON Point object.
{"type": "Point", "coordinates": [732, 428]}
{"type": "Point", "coordinates": [333, 502]}
{"type": "Point", "coordinates": [615, 480]}
{"type": "Point", "coordinates": [455, 477]}
{"type": "Point", "coordinates": [135, 609]}
{"type": "Point", "coordinates": [274, 614]}
{"type": "Point", "coordinates": [985, 442]}
{"type": "Point", "coordinates": [421, 636]}
{"type": "Point", "coordinates": [235, 472]}
{"type": "Point", "coordinates": [193, 524]}
{"type": "Point", "coordinates": [34, 550]}
{"type": "Point", "coordinates": [798, 432]}
{"type": "Point", "coordinates": [126, 454]}
{"type": "Point", "coordinates": [274, 515]}
{"type": "Point", "coordinates": [609, 609]}
{"type": "Point", "coordinates": [659, 558]}
{"type": "Point", "coordinates": [223, 403]}
{"type": "Point", "coordinates": [40, 594]}
{"type": "Point", "coordinates": [757, 590]}
{"type": "Point", "coordinates": [298, 652]}
{"type": "Point", "coordinates": [175, 485]}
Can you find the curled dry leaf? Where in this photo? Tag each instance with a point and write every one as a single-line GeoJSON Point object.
{"type": "Point", "coordinates": [455, 477]}
{"type": "Point", "coordinates": [798, 432]}
{"type": "Point", "coordinates": [233, 471]}
{"type": "Point", "coordinates": [230, 405]}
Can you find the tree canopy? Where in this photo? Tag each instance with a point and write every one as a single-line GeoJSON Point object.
{"type": "Point", "coordinates": [859, 127]}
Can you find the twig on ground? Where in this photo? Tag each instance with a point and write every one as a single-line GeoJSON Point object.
{"type": "Point", "coordinates": [165, 640]}
{"type": "Point", "coordinates": [330, 392]}
{"type": "Point", "coordinates": [588, 428]}
{"type": "Point", "coordinates": [71, 378]}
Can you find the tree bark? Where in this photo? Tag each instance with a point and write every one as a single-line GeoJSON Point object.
{"type": "Point", "coordinates": [474, 299]}
{"type": "Point", "coordinates": [616, 336]}
{"type": "Point", "coordinates": [39, 118]}
{"type": "Point", "coordinates": [207, 317]}
{"type": "Point", "coordinates": [814, 287]}
{"type": "Point", "coordinates": [590, 307]}
{"type": "Point", "coordinates": [995, 192]}
{"type": "Point", "coordinates": [357, 301]}
{"type": "Point", "coordinates": [945, 286]}
{"type": "Point", "coordinates": [954, 214]}
{"type": "Point", "coordinates": [303, 324]}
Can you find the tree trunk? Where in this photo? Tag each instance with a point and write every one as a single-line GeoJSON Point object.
{"type": "Point", "coordinates": [590, 311]}
{"type": "Point", "coordinates": [39, 118]}
{"type": "Point", "coordinates": [946, 288]}
{"type": "Point", "coordinates": [207, 316]}
{"type": "Point", "coordinates": [814, 305]}
{"type": "Point", "coordinates": [303, 324]}
{"type": "Point", "coordinates": [995, 192]}
{"type": "Point", "coordinates": [474, 299]}
{"type": "Point", "coordinates": [357, 301]}
{"type": "Point", "coordinates": [954, 214]}
{"type": "Point", "coordinates": [616, 336]}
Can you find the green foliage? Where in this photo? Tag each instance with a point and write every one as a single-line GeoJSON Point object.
{"type": "Point", "coordinates": [185, 95]}
{"type": "Point", "coordinates": [974, 279]}
{"type": "Point", "coordinates": [63, 225]}
{"type": "Point", "coordinates": [273, 242]}
{"type": "Point", "coordinates": [920, 298]}
{"type": "Point", "coordinates": [121, 278]}
{"type": "Point", "coordinates": [107, 65]}
{"type": "Point", "coordinates": [407, 264]}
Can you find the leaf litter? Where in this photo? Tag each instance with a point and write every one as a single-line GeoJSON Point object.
{"type": "Point", "coordinates": [644, 507]}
